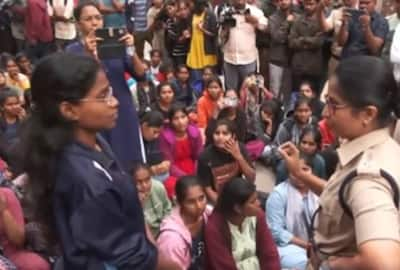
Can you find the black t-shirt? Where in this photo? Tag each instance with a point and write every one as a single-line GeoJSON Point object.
{"type": "Point", "coordinates": [197, 252]}
{"type": "Point", "coordinates": [213, 158]}
{"type": "Point", "coordinates": [154, 155]}
{"type": "Point", "coordinates": [157, 107]}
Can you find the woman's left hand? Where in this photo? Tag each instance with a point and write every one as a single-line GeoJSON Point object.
{"type": "Point", "coordinates": [232, 147]}
{"type": "Point", "coordinates": [128, 39]}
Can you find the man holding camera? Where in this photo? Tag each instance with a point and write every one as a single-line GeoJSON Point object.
{"type": "Point", "coordinates": [240, 22]}
{"type": "Point", "coordinates": [333, 23]}
{"type": "Point", "coordinates": [363, 31]}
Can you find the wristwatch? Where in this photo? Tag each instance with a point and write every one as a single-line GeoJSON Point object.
{"type": "Point", "coordinates": [130, 50]}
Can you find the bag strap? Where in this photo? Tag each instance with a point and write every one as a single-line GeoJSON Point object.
{"type": "Point", "coordinates": [347, 180]}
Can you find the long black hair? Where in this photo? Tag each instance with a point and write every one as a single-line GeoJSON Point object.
{"type": "Point", "coordinates": [369, 81]}
{"type": "Point", "coordinates": [57, 78]}
{"type": "Point", "coordinates": [274, 107]}
{"type": "Point", "coordinates": [235, 192]}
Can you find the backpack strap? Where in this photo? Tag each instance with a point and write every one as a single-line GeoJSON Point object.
{"type": "Point", "coordinates": [347, 180]}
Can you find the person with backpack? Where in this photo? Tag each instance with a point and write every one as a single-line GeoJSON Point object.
{"type": "Point", "coordinates": [357, 223]}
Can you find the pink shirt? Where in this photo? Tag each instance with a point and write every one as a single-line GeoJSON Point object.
{"type": "Point", "coordinates": [240, 49]}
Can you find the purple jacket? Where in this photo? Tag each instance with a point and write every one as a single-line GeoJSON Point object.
{"type": "Point", "coordinates": [168, 142]}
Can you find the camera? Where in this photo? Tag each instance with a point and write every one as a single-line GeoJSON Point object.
{"type": "Point", "coordinates": [227, 19]}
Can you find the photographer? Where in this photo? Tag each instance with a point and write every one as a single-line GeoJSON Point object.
{"type": "Point", "coordinates": [239, 23]}
{"type": "Point", "coordinates": [124, 138]}
{"type": "Point", "coordinates": [363, 31]}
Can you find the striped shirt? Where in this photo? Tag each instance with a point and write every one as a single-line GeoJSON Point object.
{"type": "Point", "coordinates": [140, 15]}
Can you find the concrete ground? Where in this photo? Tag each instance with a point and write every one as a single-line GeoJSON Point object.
{"type": "Point", "coordinates": [265, 178]}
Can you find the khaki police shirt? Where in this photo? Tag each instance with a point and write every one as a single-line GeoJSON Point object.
{"type": "Point", "coordinates": [369, 197]}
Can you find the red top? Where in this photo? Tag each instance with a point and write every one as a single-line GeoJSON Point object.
{"type": "Point", "coordinates": [327, 135]}
{"type": "Point", "coordinates": [37, 22]}
{"type": "Point", "coordinates": [183, 156]}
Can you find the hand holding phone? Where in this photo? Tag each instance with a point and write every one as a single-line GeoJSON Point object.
{"type": "Point", "coordinates": [112, 42]}
{"type": "Point", "coordinates": [355, 13]}
{"type": "Point", "coordinates": [364, 19]}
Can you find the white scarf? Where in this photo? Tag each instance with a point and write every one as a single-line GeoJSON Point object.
{"type": "Point", "coordinates": [299, 211]}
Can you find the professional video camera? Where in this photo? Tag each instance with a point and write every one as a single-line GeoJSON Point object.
{"type": "Point", "coordinates": [227, 19]}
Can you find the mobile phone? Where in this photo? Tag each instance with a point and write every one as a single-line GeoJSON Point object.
{"type": "Point", "coordinates": [355, 13]}
{"type": "Point", "coordinates": [230, 102]}
{"type": "Point", "coordinates": [109, 47]}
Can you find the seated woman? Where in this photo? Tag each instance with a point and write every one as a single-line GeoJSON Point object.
{"type": "Point", "coordinates": [165, 99]}
{"type": "Point", "coordinates": [12, 114]}
{"type": "Point", "coordinates": [14, 77]}
{"type": "Point", "coordinates": [182, 233]}
{"type": "Point", "coordinates": [267, 121]}
{"type": "Point", "coordinates": [232, 112]}
{"type": "Point", "coordinates": [252, 94]}
{"type": "Point", "coordinates": [307, 89]}
{"type": "Point", "coordinates": [207, 106]}
{"type": "Point", "coordinates": [152, 195]}
{"type": "Point", "coordinates": [310, 142]}
{"type": "Point", "coordinates": [180, 143]}
{"type": "Point", "coordinates": [222, 160]}
{"type": "Point", "coordinates": [289, 210]}
{"type": "Point", "coordinates": [237, 236]}
{"type": "Point", "coordinates": [12, 234]}
{"type": "Point", "coordinates": [291, 128]}
{"type": "Point", "coordinates": [151, 124]}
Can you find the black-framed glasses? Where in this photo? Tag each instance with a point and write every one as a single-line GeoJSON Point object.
{"type": "Point", "coordinates": [333, 105]}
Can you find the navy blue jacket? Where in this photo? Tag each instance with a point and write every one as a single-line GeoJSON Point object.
{"type": "Point", "coordinates": [124, 138]}
{"type": "Point", "coordinates": [97, 211]}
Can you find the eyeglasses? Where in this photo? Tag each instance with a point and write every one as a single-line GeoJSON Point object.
{"type": "Point", "coordinates": [106, 98]}
{"type": "Point", "coordinates": [333, 105]}
{"type": "Point", "coordinates": [95, 17]}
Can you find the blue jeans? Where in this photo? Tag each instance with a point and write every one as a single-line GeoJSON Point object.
{"type": "Point", "coordinates": [293, 257]}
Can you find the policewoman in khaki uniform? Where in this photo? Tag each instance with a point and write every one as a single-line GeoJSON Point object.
{"type": "Point", "coordinates": [361, 103]}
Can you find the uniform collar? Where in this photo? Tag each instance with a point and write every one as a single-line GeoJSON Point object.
{"type": "Point", "coordinates": [105, 158]}
{"type": "Point", "coordinates": [351, 149]}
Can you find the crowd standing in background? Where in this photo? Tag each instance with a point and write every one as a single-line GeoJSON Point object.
{"type": "Point", "coordinates": [148, 159]}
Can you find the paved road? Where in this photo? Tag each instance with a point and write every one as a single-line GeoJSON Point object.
{"type": "Point", "coordinates": [265, 178]}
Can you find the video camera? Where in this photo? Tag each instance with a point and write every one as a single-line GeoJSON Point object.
{"type": "Point", "coordinates": [227, 19]}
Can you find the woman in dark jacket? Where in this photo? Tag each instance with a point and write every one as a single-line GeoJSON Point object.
{"type": "Point", "coordinates": [236, 235]}
{"type": "Point", "coordinates": [75, 182]}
